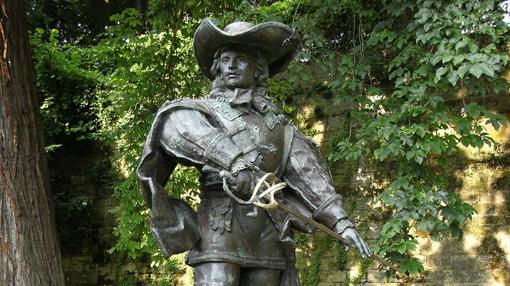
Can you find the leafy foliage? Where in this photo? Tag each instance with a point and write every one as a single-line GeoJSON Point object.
{"type": "Point", "coordinates": [411, 76]}
{"type": "Point", "coordinates": [67, 77]}
{"type": "Point", "coordinates": [407, 72]}
{"type": "Point", "coordinates": [79, 22]}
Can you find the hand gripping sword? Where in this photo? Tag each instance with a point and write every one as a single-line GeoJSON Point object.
{"type": "Point", "coordinates": [270, 190]}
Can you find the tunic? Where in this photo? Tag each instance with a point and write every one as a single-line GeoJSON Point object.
{"type": "Point", "coordinates": [235, 233]}
{"type": "Point", "coordinates": [214, 134]}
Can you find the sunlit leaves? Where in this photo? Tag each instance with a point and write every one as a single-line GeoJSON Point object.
{"type": "Point", "coordinates": [66, 81]}
{"type": "Point", "coordinates": [151, 61]}
{"type": "Point", "coordinates": [404, 73]}
{"type": "Point", "coordinates": [425, 52]}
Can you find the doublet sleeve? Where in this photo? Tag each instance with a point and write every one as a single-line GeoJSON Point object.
{"type": "Point", "coordinates": [189, 135]}
{"type": "Point", "coordinates": [307, 173]}
{"type": "Point", "coordinates": [182, 132]}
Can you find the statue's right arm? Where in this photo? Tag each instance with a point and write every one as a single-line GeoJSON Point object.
{"type": "Point", "coordinates": [194, 138]}
{"type": "Point", "coordinates": [186, 135]}
{"type": "Point", "coordinates": [179, 134]}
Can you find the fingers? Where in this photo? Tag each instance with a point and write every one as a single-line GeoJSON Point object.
{"type": "Point", "coordinates": [362, 247]}
{"type": "Point", "coordinates": [244, 183]}
{"type": "Point", "coordinates": [228, 176]}
{"type": "Point", "coordinates": [354, 238]}
{"type": "Point", "coordinates": [359, 245]}
{"type": "Point", "coordinates": [366, 249]}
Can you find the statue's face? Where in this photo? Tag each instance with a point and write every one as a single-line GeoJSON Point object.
{"type": "Point", "coordinates": [237, 69]}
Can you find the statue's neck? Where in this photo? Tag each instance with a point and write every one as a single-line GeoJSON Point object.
{"type": "Point", "coordinates": [230, 94]}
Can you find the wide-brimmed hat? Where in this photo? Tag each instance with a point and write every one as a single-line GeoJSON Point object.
{"type": "Point", "coordinates": [276, 41]}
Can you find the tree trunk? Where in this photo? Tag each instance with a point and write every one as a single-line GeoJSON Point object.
{"type": "Point", "coordinates": [29, 252]}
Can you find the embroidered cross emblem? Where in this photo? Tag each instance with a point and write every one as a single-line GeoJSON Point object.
{"type": "Point", "coordinates": [260, 140]}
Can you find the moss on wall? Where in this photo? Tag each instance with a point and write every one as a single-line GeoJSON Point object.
{"type": "Point", "coordinates": [481, 257]}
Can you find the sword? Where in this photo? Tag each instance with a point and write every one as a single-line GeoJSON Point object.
{"type": "Point", "coordinates": [271, 190]}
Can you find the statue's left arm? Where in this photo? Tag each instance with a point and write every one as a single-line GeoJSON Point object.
{"type": "Point", "coordinates": [308, 175]}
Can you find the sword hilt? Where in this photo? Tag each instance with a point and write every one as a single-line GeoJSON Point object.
{"type": "Point", "coordinates": [274, 187]}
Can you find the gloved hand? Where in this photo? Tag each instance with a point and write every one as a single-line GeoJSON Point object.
{"type": "Point", "coordinates": [345, 228]}
{"type": "Point", "coordinates": [353, 237]}
{"type": "Point", "coordinates": [242, 183]}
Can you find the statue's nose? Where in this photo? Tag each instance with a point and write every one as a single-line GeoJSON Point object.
{"type": "Point", "coordinates": [232, 64]}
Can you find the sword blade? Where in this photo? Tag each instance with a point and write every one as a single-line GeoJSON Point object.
{"type": "Point", "coordinates": [326, 230]}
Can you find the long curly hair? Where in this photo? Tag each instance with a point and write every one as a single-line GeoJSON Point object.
{"type": "Point", "coordinates": [261, 70]}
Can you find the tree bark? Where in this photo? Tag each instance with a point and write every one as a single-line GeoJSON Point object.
{"type": "Point", "coordinates": [29, 251]}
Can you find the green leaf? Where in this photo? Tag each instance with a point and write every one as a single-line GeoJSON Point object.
{"type": "Point", "coordinates": [402, 248]}
{"type": "Point", "coordinates": [458, 59]}
{"type": "Point", "coordinates": [409, 155]}
{"type": "Point", "coordinates": [446, 58]}
{"type": "Point", "coordinates": [486, 69]}
{"type": "Point", "coordinates": [420, 131]}
{"type": "Point", "coordinates": [476, 70]}
{"type": "Point", "coordinates": [411, 266]}
{"type": "Point", "coordinates": [453, 78]}
{"type": "Point", "coordinates": [435, 59]}
{"type": "Point", "coordinates": [459, 45]}
{"type": "Point", "coordinates": [440, 72]}
{"type": "Point", "coordinates": [462, 71]}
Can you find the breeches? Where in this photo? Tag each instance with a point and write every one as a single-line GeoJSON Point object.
{"type": "Point", "coordinates": [229, 274]}
{"type": "Point", "coordinates": [237, 234]}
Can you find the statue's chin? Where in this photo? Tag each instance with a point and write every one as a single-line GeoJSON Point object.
{"type": "Point", "coordinates": [236, 83]}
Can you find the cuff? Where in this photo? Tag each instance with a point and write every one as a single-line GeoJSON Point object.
{"type": "Point", "coordinates": [241, 164]}
{"type": "Point", "coordinates": [222, 151]}
{"type": "Point", "coordinates": [330, 211]}
{"type": "Point", "coordinates": [342, 225]}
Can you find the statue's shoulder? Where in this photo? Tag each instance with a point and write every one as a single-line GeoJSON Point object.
{"type": "Point", "coordinates": [172, 109]}
{"type": "Point", "coordinates": [198, 104]}
{"type": "Point", "coordinates": [271, 113]}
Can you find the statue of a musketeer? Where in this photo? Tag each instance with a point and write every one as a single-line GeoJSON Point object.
{"type": "Point", "coordinates": [234, 136]}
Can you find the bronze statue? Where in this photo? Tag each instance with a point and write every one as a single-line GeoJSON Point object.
{"type": "Point", "coordinates": [234, 136]}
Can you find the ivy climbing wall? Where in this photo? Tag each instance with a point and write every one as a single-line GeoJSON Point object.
{"type": "Point", "coordinates": [480, 177]}
{"type": "Point", "coordinates": [482, 257]}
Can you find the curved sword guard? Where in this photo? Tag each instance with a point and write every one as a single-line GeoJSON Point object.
{"type": "Point", "coordinates": [262, 189]}
{"type": "Point", "coordinates": [270, 189]}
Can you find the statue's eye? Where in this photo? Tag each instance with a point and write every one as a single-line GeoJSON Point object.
{"type": "Point", "coordinates": [224, 60]}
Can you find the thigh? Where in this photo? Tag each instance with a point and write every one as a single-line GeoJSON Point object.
{"type": "Point", "coordinates": [216, 274]}
{"type": "Point", "coordinates": [259, 277]}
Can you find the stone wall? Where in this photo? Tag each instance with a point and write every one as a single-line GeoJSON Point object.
{"type": "Point", "coordinates": [81, 179]}
{"type": "Point", "coordinates": [481, 257]}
